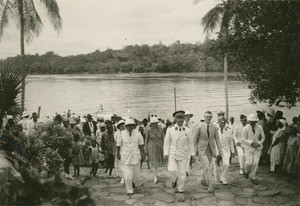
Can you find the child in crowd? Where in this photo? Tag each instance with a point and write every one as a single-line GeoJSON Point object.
{"type": "Point", "coordinates": [96, 157]}
{"type": "Point", "coordinates": [77, 154]}
{"type": "Point", "coordinates": [142, 132]}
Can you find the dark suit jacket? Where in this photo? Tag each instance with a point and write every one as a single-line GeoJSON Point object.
{"type": "Point", "coordinates": [86, 128]}
{"type": "Point", "coordinates": [201, 139]}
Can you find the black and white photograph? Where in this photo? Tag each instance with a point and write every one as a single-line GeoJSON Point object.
{"type": "Point", "coordinates": [149, 102]}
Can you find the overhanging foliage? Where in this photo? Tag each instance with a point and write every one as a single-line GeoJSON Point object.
{"type": "Point", "coordinates": [262, 40]}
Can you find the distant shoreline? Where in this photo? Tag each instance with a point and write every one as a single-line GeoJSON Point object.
{"type": "Point", "coordinates": [148, 74]}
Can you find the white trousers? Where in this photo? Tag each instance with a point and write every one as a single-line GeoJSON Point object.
{"type": "Point", "coordinates": [251, 164]}
{"type": "Point", "coordinates": [221, 173]}
{"type": "Point", "coordinates": [178, 171]}
{"type": "Point", "coordinates": [224, 172]}
{"type": "Point", "coordinates": [130, 173]}
{"type": "Point", "coordinates": [188, 163]}
{"type": "Point", "coordinates": [241, 156]}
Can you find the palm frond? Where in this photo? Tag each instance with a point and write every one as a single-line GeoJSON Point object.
{"type": "Point", "coordinates": [5, 9]}
{"type": "Point", "coordinates": [11, 77]}
{"type": "Point", "coordinates": [33, 23]}
{"type": "Point", "coordinates": [212, 18]}
{"type": "Point", "coordinates": [227, 18]}
{"type": "Point", "coordinates": [53, 13]}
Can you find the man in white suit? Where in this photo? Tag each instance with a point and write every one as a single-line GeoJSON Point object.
{"type": "Point", "coordinates": [178, 144]}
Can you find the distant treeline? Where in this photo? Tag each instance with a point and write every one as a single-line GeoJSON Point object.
{"type": "Point", "coordinates": [177, 57]}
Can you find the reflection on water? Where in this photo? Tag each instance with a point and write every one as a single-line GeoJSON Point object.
{"type": "Point", "coordinates": [139, 94]}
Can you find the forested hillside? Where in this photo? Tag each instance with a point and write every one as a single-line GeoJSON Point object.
{"type": "Point", "coordinates": [177, 57]}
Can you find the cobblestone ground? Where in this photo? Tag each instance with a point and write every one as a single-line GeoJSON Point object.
{"type": "Point", "coordinates": [107, 190]}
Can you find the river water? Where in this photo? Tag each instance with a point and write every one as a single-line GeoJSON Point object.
{"type": "Point", "coordinates": [138, 95]}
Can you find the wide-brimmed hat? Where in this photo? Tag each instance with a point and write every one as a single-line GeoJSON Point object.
{"type": "Point", "coordinates": [129, 122]}
{"type": "Point", "coordinates": [252, 118]}
{"type": "Point", "coordinates": [177, 112]}
{"type": "Point", "coordinates": [260, 111]}
{"type": "Point", "coordinates": [120, 122]}
{"type": "Point", "coordinates": [25, 114]}
{"type": "Point", "coordinates": [100, 118]}
{"type": "Point", "coordinates": [188, 112]}
{"type": "Point", "coordinates": [219, 160]}
{"type": "Point", "coordinates": [9, 117]}
{"type": "Point", "coordinates": [223, 120]}
{"type": "Point", "coordinates": [102, 124]}
{"type": "Point", "coordinates": [271, 112]}
{"type": "Point", "coordinates": [202, 119]}
{"type": "Point", "coordinates": [153, 120]}
{"type": "Point", "coordinates": [221, 113]}
{"type": "Point", "coordinates": [282, 121]}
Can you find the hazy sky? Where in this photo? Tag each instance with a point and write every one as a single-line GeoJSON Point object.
{"type": "Point", "coordinates": [100, 24]}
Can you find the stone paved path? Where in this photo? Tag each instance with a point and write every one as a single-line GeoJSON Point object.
{"type": "Point", "coordinates": [270, 191]}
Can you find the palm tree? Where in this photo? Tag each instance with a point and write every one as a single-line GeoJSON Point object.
{"type": "Point", "coordinates": [28, 20]}
{"type": "Point", "coordinates": [11, 78]}
{"type": "Point", "coordinates": [221, 15]}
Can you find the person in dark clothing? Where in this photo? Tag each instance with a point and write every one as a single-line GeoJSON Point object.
{"type": "Point", "coordinates": [108, 148]}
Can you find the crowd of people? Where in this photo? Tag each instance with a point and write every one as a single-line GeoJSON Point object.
{"type": "Point", "coordinates": [263, 138]}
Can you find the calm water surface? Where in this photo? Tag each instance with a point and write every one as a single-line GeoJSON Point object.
{"type": "Point", "coordinates": [139, 94]}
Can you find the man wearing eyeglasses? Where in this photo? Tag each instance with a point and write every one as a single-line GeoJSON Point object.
{"type": "Point", "coordinates": [206, 140]}
{"type": "Point", "coordinates": [178, 144]}
{"type": "Point", "coordinates": [237, 136]}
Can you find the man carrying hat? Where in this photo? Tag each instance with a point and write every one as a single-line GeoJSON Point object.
{"type": "Point", "coordinates": [252, 138]}
{"type": "Point", "coordinates": [225, 135]}
{"type": "Point", "coordinates": [178, 144]}
{"type": "Point", "coordinates": [206, 140]}
{"type": "Point", "coordinates": [132, 152]}
{"type": "Point", "coordinates": [187, 117]}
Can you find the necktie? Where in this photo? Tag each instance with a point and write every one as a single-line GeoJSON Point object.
{"type": "Point", "coordinates": [91, 126]}
{"type": "Point", "coordinates": [222, 130]}
{"type": "Point", "coordinates": [179, 128]}
{"type": "Point", "coordinates": [208, 130]}
{"type": "Point", "coordinates": [253, 130]}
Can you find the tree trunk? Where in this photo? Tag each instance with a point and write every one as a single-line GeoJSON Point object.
{"type": "Point", "coordinates": [22, 51]}
{"type": "Point", "coordinates": [225, 85]}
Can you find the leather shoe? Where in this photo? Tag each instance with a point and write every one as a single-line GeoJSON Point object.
{"type": "Point", "coordinates": [254, 181]}
{"type": "Point", "coordinates": [246, 175]}
{"type": "Point", "coordinates": [129, 194]}
{"type": "Point", "coordinates": [203, 182]}
{"type": "Point", "coordinates": [174, 184]}
{"type": "Point", "coordinates": [211, 191]}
